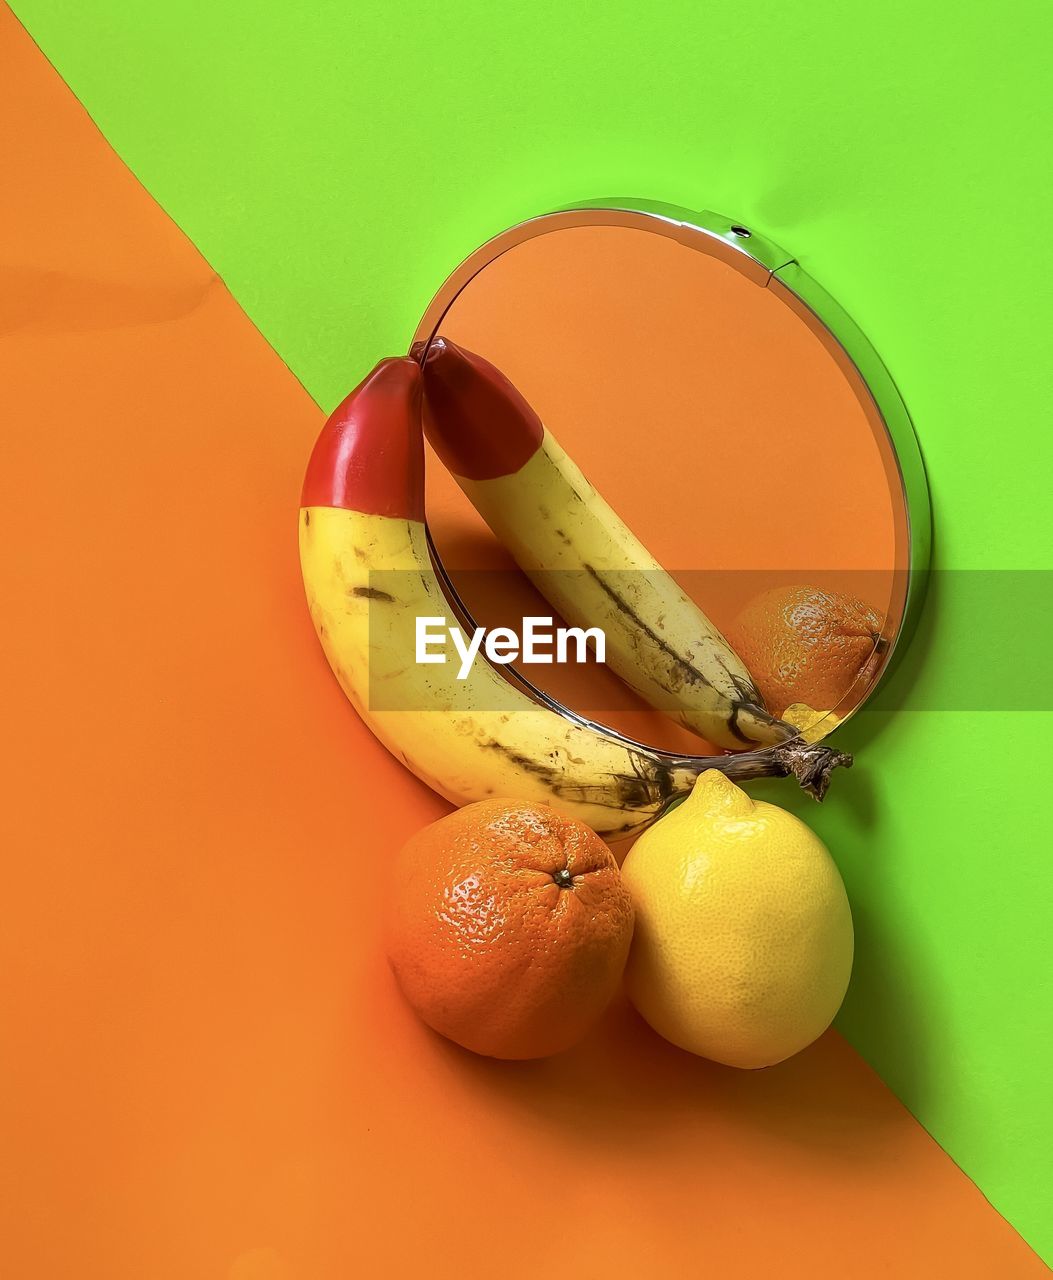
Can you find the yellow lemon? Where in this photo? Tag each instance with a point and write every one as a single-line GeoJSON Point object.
{"type": "Point", "coordinates": [743, 943]}
{"type": "Point", "coordinates": [814, 725]}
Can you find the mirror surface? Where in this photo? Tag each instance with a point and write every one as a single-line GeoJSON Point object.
{"type": "Point", "coordinates": [722, 422]}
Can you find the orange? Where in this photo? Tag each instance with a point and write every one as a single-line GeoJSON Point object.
{"type": "Point", "coordinates": [806, 645]}
{"type": "Point", "coordinates": [508, 928]}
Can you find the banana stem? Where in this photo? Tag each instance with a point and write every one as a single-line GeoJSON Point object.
{"type": "Point", "coordinates": [809, 762]}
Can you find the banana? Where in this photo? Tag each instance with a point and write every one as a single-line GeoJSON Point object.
{"type": "Point", "coordinates": [368, 577]}
{"type": "Point", "coordinates": [581, 556]}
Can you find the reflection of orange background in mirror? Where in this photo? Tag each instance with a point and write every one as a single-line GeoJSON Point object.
{"type": "Point", "coordinates": [705, 411]}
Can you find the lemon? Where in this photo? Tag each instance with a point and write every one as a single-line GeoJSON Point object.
{"type": "Point", "coordinates": [743, 943]}
{"type": "Point", "coordinates": [814, 725]}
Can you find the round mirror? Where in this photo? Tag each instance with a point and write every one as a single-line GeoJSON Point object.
{"type": "Point", "coordinates": [716, 408]}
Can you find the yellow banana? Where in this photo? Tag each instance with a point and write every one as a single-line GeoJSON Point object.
{"type": "Point", "coordinates": [368, 578]}
{"type": "Point", "coordinates": [581, 556]}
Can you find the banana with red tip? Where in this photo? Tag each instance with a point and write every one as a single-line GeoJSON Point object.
{"type": "Point", "coordinates": [581, 556]}
{"type": "Point", "coordinates": [367, 575]}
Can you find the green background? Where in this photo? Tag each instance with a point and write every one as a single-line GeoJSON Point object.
{"type": "Point", "coordinates": [334, 161]}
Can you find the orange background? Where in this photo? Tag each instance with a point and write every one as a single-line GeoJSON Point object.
{"type": "Point", "coordinates": [207, 1071]}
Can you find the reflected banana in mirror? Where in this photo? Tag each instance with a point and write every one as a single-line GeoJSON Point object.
{"type": "Point", "coordinates": [582, 556]}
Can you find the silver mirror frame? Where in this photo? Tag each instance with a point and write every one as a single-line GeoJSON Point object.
{"type": "Point", "coordinates": [770, 267]}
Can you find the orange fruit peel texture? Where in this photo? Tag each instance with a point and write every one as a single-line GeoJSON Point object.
{"type": "Point", "coordinates": [509, 928]}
